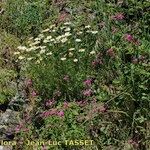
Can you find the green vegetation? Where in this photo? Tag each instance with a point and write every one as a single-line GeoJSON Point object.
{"type": "Point", "coordinates": [87, 71]}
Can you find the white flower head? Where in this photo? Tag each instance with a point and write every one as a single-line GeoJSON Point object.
{"type": "Point", "coordinates": [42, 51]}
{"type": "Point", "coordinates": [46, 41]}
{"type": "Point", "coordinates": [75, 60]}
{"type": "Point", "coordinates": [78, 40]}
{"type": "Point", "coordinates": [70, 54]}
{"type": "Point", "coordinates": [88, 26]}
{"type": "Point", "coordinates": [67, 23]}
{"type": "Point", "coordinates": [21, 57]}
{"type": "Point", "coordinates": [67, 29]}
{"type": "Point", "coordinates": [64, 40]}
{"type": "Point", "coordinates": [36, 42]}
{"type": "Point", "coordinates": [81, 50]}
{"type": "Point", "coordinates": [94, 32]}
{"type": "Point", "coordinates": [79, 33]}
{"type": "Point", "coordinates": [16, 53]}
{"type": "Point", "coordinates": [67, 34]}
{"type": "Point", "coordinates": [22, 48]}
{"type": "Point", "coordinates": [92, 52]}
{"type": "Point", "coordinates": [52, 26]}
{"type": "Point", "coordinates": [71, 49]}
{"type": "Point", "coordinates": [49, 37]}
{"type": "Point", "coordinates": [63, 58]}
{"type": "Point", "coordinates": [30, 58]}
{"type": "Point", "coordinates": [45, 30]}
{"type": "Point", "coordinates": [50, 53]}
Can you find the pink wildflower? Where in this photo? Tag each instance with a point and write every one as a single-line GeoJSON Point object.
{"type": "Point", "coordinates": [88, 82]}
{"type": "Point", "coordinates": [60, 113]}
{"type": "Point", "coordinates": [66, 105]}
{"type": "Point", "coordinates": [50, 102]}
{"type": "Point", "coordinates": [82, 103]}
{"type": "Point", "coordinates": [118, 16]}
{"type": "Point", "coordinates": [111, 53]}
{"type": "Point", "coordinates": [129, 37]}
{"type": "Point", "coordinates": [102, 109]}
{"type": "Point", "coordinates": [34, 93]}
{"type": "Point", "coordinates": [66, 78]}
{"type": "Point", "coordinates": [87, 92]}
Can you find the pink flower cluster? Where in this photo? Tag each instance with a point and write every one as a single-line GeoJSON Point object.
{"type": "Point", "coordinates": [66, 78]}
{"type": "Point", "coordinates": [111, 52]}
{"type": "Point", "coordinates": [20, 127]}
{"type": "Point", "coordinates": [130, 38]}
{"type": "Point", "coordinates": [134, 143]}
{"type": "Point", "coordinates": [118, 16]}
{"type": "Point", "coordinates": [52, 112]}
{"type": "Point", "coordinates": [50, 102]}
{"type": "Point", "coordinates": [88, 82]}
{"type": "Point", "coordinates": [87, 92]}
{"type": "Point", "coordinates": [82, 103]}
{"type": "Point", "coordinates": [96, 63]}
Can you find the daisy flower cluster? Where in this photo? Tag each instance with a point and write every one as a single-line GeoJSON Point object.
{"type": "Point", "coordinates": [64, 42]}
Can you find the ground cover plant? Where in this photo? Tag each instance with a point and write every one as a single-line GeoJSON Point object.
{"type": "Point", "coordinates": [85, 71]}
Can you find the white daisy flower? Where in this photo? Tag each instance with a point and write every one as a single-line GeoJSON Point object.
{"type": "Point", "coordinates": [67, 29]}
{"type": "Point", "coordinates": [42, 51]}
{"type": "Point", "coordinates": [92, 52]}
{"type": "Point", "coordinates": [50, 53]}
{"type": "Point", "coordinates": [88, 26]}
{"type": "Point", "coordinates": [67, 34]}
{"type": "Point", "coordinates": [29, 58]}
{"type": "Point", "coordinates": [81, 50]}
{"type": "Point", "coordinates": [52, 26]}
{"type": "Point", "coordinates": [71, 49]}
{"type": "Point", "coordinates": [64, 40]}
{"type": "Point", "coordinates": [67, 23]}
{"type": "Point", "coordinates": [46, 41]}
{"type": "Point", "coordinates": [16, 53]}
{"type": "Point", "coordinates": [49, 37]}
{"type": "Point", "coordinates": [78, 40]}
{"type": "Point", "coordinates": [63, 58]}
{"type": "Point", "coordinates": [75, 60]}
{"type": "Point", "coordinates": [22, 47]}
{"type": "Point", "coordinates": [21, 57]}
{"type": "Point", "coordinates": [70, 54]}
{"type": "Point", "coordinates": [79, 33]}
{"type": "Point", "coordinates": [45, 30]}
{"type": "Point", "coordinates": [36, 42]}
{"type": "Point", "coordinates": [94, 32]}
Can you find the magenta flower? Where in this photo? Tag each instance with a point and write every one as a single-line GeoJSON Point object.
{"type": "Point", "coordinates": [88, 82]}
{"type": "Point", "coordinates": [66, 105]}
{"type": "Point", "coordinates": [110, 52]}
{"type": "Point", "coordinates": [48, 113]}
{"type": "Point", "coordinates": [34, 93]}
{"type": "Point", "coordinates": [66, 78]}
{"type": "Point", "coordinates": [96, 62]}
{"type": "Point", "coordinates": [87, 92]}
{"type": "Point", "coordinates": [50, 102]}
{"type": "Point", "coordinates": [82, 103]}
{"type": "Point", "coordinates": [129, 38]}
{"type": "Point", "coordinates": [118, 16]}
{"type": "Point", "coordinates": [60, 113]}
{"type": "Point", "coordinates": [134, 143]}
{"type": "Point", "coordinates": [102, 109]}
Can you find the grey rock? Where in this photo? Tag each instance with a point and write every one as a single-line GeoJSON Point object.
{"type": "Point", "coordinates": [9, 117]}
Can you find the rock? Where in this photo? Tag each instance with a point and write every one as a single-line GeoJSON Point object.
{"type": "Point", "coordinates": [5, 147]}
{"type": "Point", "coordinates": [9, 117]}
